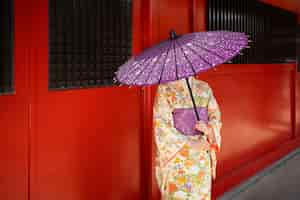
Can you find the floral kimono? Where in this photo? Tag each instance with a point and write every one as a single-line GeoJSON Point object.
{"type": "Point", "coordinates": [182, 172]}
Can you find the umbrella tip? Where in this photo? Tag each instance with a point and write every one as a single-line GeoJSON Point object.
{"type": "Point", "coordinates": [115, 79]}
{"type": "Point", "coordinates": [172, 34]}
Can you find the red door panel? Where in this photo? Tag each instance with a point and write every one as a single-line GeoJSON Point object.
{"type": "Point", "coordinates": [14, 118]}
{"type": "Point", "coordinates": [166, 15]}
{"type": "Point", "coordinates": [13, 146]}
{"type": "Point", "coordinates": [86, 145]}
{"type": "Point", "coordinates": [256, 105]}
{"type": "Point", "coordinates": [85, 142]}
{"type": "Point", "coordinates": [256, 100]}
{"type": "Point", "coordinates": [297, 102]}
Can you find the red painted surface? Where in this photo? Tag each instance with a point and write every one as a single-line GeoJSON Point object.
{"type": "Point", "coordinates": [199, 18]}
{"type": "Point", "coordinates": [85, 142]}
{"type": "Point", "coordinates": [257, 101]}
{"type": "Point", "coordinates": [14, 118]}
{"type": "Point", "coordinates": [257, 108]}
{"type": "Point", "coordinates": [257, 104]}
{"type": "Point", "coordinates": [164, 15]}
{"type": "Point", "coordinates": [98, 143]}
{"type": "Point", "coordinates": [290, 5]}
{"type": "Point", "coordinates": [297, 105]}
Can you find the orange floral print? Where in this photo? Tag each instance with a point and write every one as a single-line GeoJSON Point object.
{"type": "Point", "coordinates": [184, 152]}
{"type": "Point", "coordinates": [172, 187]}
{"type": "Point", "coordinates": [181, 172]}
{"type": "Point", "coordinates": [188, 163]}
{"type": "Point", "coordinates": [200, 175]}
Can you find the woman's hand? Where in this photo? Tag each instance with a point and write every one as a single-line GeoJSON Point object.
{"type": "Point", "coordinates": [204, 128]}
{"type": "Point", "coordinates": [213, 174]}
{"type": "Point", "coordinates": [198, 145]}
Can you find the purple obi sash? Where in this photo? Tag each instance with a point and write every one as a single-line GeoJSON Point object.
{"type": "Point", "coordinates": [185, 119]}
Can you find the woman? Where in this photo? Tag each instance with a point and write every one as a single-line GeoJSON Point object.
{"type": "Point", "coordinates": [185, 164]}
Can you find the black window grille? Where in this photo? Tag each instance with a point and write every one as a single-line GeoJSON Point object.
{"type": "Point", "coordinates": [88, 41]}
{"type": "Point", "coordinates": [6, 46]}
{"type": "Point", "coordinates": [272, 30]}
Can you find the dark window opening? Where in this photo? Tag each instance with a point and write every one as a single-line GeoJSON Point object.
{"type": "Point", "coordinates": [272, 30]}
{"type": "Point", "coordinates": [88, 41]}
{"type": "Point", "coordinates": [6, 47]}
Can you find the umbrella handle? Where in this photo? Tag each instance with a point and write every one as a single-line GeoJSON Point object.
{"type": "Point", "coordinates": [193, 100]}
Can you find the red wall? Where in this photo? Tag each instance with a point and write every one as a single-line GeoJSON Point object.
{"type": "Point", "coordinates": [257, 101]}
{"type": "Point", "coordinates": [97, 143]}
{"type": "Point", "coordinates": [258, 106]}
{"type": "Point", "coordinates": [72, 144]}
{"type": "Point", "coordinates": [85, 142]}
{"type": "Point", "coordinates": [14, 118]}
{"type": "Point", "coordinates": [291, 5]}
{"type": "Point", "coordinates": [297, 104]}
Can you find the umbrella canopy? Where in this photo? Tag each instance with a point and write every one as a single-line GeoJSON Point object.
{"type": "Point", "coordinates": [181, 57]}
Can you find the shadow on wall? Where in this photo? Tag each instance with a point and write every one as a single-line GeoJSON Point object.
{"type": "Point", "coordinates": [298, 46]}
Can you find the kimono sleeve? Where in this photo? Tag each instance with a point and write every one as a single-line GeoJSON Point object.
{"type": "Point", "coordinates": [168, 140]}
{"type": "Point", "coordinates": [215, 124]}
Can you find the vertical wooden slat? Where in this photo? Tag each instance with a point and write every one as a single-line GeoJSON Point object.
{"type": "Point", "coordinates": [223, 14]}
{"type": "Point", "coordinates": [209, 14]}
{"type": "Point", "coordinates": [214, 15]}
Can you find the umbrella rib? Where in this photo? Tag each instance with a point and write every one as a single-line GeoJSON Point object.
{"type": "Point", "coordinates": [176, 67]}
{"type": "Point", "coordinates": [232, 50]}
{"type": "Point", "coordinates": [162, 71]}
{"type": "Point", "coordinates": [229, 36]}
{"type": "Point", "coordinates": [139, 74]}
{"type": "Point", "coordinates": [134, 68]}
{"type": "Point", "coordinates": [199, 55]}
{"type": "Point", "coordinates": [205, 49]}
{"type": "Point", "coordinates": [153, 68]}
{"type": "Point", "coordinates": [187, 58]}
{"type": "Point", "coordinates": [125, 74]}
{"type": "Point", "coordinates": [217, 46]}
{"type": "Point", "coordinates": [236, 41]}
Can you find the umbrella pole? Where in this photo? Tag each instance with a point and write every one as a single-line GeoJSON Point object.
{"type": "Point", "coordinates": [193, 100]}
{"type": "Point", "coordinates": [192, 97]}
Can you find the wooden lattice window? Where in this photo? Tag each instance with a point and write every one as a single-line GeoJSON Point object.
{"type": "Point", "coordinates": [6, 47]}
{"type": "Point", "coordinates": [272, 29]}
{"type": "Point", "coordinates": [88, 41]}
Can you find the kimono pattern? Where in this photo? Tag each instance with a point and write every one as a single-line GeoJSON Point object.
{"type": "Point", "coordinates": [182, 172]}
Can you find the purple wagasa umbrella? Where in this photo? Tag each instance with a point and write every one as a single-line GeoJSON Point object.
{"type": "Point", "coordinates": [181, 57]}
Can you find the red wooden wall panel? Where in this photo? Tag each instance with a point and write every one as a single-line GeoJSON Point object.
{"type": "Point", "coordinates": [257, 101]}
{"type": "Point", "coordinates": [164, 17]}
{"type": "Point", "coordinates": [290, 5]}
{"type": "Point", "coordinates": [14, 116]}
{"type": "Point", "coordinates": [85, 142]}
{"type": "Point", "coordinates": [297, 102]}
